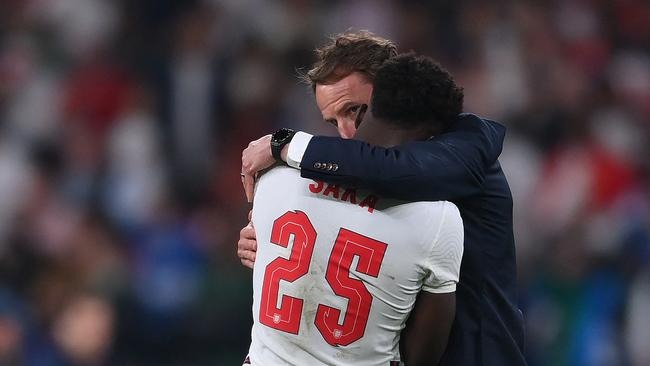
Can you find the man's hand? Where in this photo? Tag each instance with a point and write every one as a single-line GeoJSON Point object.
{"type": "Point", "coordinates": [255, 158]}
{"type": "Point", "coordinates": [247, 245]}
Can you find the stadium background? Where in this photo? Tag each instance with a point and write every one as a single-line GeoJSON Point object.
{"type": "Point", "coordinates": [122, 124]}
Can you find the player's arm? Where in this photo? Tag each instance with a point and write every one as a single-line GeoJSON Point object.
{"type": "Point", "coordinates": [449, 166]}
{"type": "Point", "coordinates": [427, 331]}
{"type": "Point", "coordinates": [425, 337]}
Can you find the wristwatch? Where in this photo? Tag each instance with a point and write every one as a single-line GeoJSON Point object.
{"type": "Point", "coordinates": [280, 138]}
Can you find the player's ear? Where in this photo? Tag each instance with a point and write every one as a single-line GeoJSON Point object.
{"type": "Point", "coordinates": [360, 114]}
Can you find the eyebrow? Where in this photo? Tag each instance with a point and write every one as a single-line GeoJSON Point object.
{"type": "Point", "coordinates": [347, 105]}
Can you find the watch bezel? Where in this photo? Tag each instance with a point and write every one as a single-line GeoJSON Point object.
{"type": "Point", "coordinates": [280, 138]}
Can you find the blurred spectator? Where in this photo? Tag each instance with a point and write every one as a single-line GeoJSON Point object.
{"type": "Point", "coordinates": [11, 337]}
{"type": "Point", "coordinates": [638, 322]}
{"type": "Point", "coordinates": [193, 101]}
{"type": "Point", "coordinates": [84, 331]}
{"type": "Point", "coordinates": [135, 173]}
{"type": "Point", "coordinates": [22, 343]}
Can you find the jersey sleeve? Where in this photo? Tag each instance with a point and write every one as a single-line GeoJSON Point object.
{"type": "Point", "coordinates": [442, 264]}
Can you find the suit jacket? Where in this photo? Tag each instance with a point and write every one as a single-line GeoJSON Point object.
{"type": "Point", "coordinates": [460, 166]}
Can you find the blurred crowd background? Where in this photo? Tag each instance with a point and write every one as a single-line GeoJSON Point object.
{"type": "Point", "coordinates": [121, 129]}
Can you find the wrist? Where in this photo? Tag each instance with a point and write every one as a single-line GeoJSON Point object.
{"type": "Point", "coordinates": [285, 152]}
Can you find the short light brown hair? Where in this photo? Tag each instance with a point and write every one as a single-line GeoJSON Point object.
{"type": "Point", "coordinates": [346, 53]}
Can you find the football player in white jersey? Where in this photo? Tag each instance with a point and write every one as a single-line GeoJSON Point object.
{"type": "Point", "coordinates": [338, 270]}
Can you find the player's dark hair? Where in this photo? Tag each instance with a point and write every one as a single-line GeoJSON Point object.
{"type": "Point", "coordinates": [411, 90]}
{"type": "Point", "coordinates": [346, 53]}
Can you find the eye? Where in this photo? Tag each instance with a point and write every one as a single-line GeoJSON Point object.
{"type": "Point", "coordinates": [332, 122]}
{"type": "Point", "coordinates": [353, 109]}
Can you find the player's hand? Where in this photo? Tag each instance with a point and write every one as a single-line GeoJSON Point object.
{"type": "Point", "coordinates": [247, 245]}
{"type": "Point", "coordinates": [256, 157]}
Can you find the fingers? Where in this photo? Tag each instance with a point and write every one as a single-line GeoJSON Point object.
{"type": "Point", "coordinates": [256, 157]}
{"type": "Point", "coordinates": [247, 263]}
{"type": "Point", "coordinates": [248, 232]}
{"type": "Point", "coordinates": [247, 246]}
{"type": "Point", "coordinates": [249, 186]}
{"type": "Point", "coordinates": [246, 256]}
{"type": "Point", "coordinates": [243, 184]}
{"type": "Point", "coordinates": [248, 173]}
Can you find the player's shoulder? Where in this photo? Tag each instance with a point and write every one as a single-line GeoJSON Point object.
{"type": "Point", "coordinates": [427, 216]}
{"type": "Point", "coordinates": [278, 174]}
{"type": "Point", "coordinates": [432, 209]}
{"type": "Point", "coordinates": [445, 213]}
{"type": "Point", "coordinates": [278, 181]}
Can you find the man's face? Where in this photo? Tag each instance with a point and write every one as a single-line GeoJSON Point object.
{"type": "Point", "coordinates": [340, 101]}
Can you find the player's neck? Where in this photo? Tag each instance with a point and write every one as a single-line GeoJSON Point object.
{"type": "Point", "coordinates": [383, 134]}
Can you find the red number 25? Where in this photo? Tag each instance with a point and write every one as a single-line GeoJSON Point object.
{"type": "Point", "coordinates": [348, 244]}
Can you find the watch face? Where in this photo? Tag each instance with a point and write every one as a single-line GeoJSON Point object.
{"type": "Point", "coordinates": [281, 135]}
{"type": "Point", "coordinates": [278, 140]}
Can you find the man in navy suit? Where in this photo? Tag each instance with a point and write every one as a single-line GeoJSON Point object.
{"type": "Point", "coordinates": [459, 165]}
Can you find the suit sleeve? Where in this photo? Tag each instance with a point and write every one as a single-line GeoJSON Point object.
{"type": "Point", "coordinates": [448, 167]}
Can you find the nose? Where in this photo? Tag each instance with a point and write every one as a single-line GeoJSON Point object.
{"type": "Point", "coordinates": [346, 129]}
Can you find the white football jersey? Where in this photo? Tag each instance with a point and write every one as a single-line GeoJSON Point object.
{"type": "Point", "coordinates": [338, 270]}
